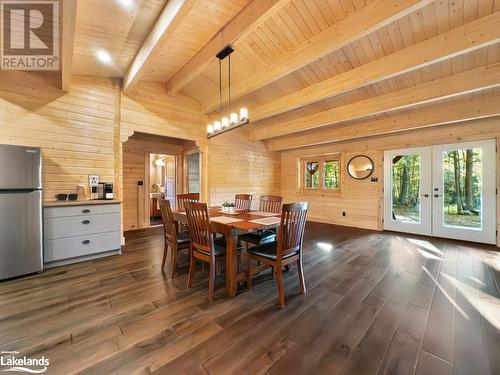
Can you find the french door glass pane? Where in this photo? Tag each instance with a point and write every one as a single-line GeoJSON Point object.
{"type": "Point", "coordinates": [462, 180]}
{"type": "Point", "coordinates": [406, 178]}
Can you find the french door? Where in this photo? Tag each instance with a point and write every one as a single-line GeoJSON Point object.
{"type": "Point", "coordinates": [445, 191]}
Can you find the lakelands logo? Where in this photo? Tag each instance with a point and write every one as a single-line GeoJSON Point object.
{"type": "Point", "coordinates": [10, 363]}
{"type": "Point", "coordinates": [29, 34]}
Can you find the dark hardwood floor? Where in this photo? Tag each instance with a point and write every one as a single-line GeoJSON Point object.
{"type": "Point", "coordinates": [376, 303]}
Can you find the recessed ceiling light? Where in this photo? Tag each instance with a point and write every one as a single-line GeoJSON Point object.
{"type": "Point", "coordinates": [127, 4]}
{"type": "Point", "coordinates": [104, 56]}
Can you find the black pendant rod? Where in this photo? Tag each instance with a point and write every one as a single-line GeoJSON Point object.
{"type": "Point", "coordinates": [229, 91]}
{"type": "Point", "coordinates": [220, 87]}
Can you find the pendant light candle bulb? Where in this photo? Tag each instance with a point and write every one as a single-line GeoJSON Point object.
{"type": "Point", "coordinates": [243, 114]}
{"type": "Point", "coordinates": [210, 129]}
{"type": "Point", "coordinates": [217, 126]}
{"type": "Point", "coordinates": [225, 122]}
{"type": "Point", "coordinates": [234, 119]}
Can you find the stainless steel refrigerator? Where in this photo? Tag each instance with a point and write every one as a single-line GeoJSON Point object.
{"type": "Point", "coordinates": [21, 244]}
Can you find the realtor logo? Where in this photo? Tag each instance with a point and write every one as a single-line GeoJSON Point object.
{"type": "Point", "coordinates": [29, 35]}
{"type": "Point", "coordinates": [9, 362]}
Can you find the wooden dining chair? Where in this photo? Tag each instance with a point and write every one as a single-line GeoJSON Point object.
{"type": "Point", "coordinates": [287, 250]}
{"type": "Point", "coordinates": [243, 201]}
{"type": "Point", "coordinates": [203, 246]}
{"type": "Point", "coordinates": [172, 239]}
{"type": "Point", "coordinates": [183, 198]}
{"type": "Point", "coordinates": [268, 203]}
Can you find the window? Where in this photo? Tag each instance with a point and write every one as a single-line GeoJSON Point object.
{"type": "Point", "coordinates": [312, 175]}
{"type": "Point", "coordinates": [321, 174]}
{"type": "Point", "coordinates": [331, 174]}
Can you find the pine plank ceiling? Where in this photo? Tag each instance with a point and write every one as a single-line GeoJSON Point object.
{"type": "Point", "coordinates": [300, 58]}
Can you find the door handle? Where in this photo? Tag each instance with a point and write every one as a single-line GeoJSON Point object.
{"type": "Point", "coordinates": [86, 222]}
{"type": "Point", "coordinates": [437, 195]}
{"type": "Point", "coordinates": [85, 242]}
{"type": "Point", "coordinates": [86, 211]}
{"type": "Point", "coordinates": [425, 195]}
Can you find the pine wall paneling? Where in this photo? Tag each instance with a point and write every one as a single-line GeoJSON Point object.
{"type": "Point", "coordinates": [237, 165]}
{"type": "Point", "coordinates": [362, 200]}
{"type": "Point", "coordinates": [148, 110]}
{"type": "Point", "coordinates": [78, 130]}
{"type": "Point", "coordinates": [75, 130]}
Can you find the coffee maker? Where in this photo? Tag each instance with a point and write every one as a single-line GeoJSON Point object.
{"type": "Point", "coordinates": [108, 190]}
{"type": "Point", "coordinates": [103, 190]}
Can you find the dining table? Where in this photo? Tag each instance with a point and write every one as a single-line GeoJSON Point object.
{"type": "Point", "coordinates": [232, 225]}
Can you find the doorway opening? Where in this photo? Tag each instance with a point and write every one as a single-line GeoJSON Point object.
{"type": "Point", "coordinates": [444, 190]}
{"type": "Point", "coordinates": [162, 183]}
{"type": "Point", "coordinates": [156, 166]}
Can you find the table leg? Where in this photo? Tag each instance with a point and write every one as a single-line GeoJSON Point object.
{"type": "Point", "coordinates": [231, 265]}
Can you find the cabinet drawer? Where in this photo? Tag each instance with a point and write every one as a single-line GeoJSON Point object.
{"type": "Point", "coordinates": [72, 247]}
{"type": "Point", "coordinates": [81, 210]}
{"type": "Point", "coordinates": [60, 227]}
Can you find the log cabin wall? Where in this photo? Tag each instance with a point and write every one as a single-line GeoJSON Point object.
{"type": "Point", "coordinates": [237, 165]}
{"type": "Point", "coordinates": [147, 109]}
{"type": "Point", "coordinates": [362, 200]}
{"type": "Point", "coordinates": [74, 130]}
{"type": "Point", "coordinates": [81, 132]}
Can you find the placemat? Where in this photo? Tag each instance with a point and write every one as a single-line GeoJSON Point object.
{"type": "Point", "coordinates": [224, 219]}
{"type": "Point", "coordinates": [267, 221]}
{"type": "Point", "coordinates": [263, 213]}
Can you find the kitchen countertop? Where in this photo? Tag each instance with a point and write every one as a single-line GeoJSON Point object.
{"type": "Point", "coordinates": [56, 203]}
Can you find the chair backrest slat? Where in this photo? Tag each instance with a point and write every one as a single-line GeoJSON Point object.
{"type": "Point", "coordinates": [270, 203]}
{"type": "Point", "coordinates": [200, 230]}
{"type": "Point", "coordinates": [243, 201]}
{"type": "Point", "coordinates": [168, 220]}
{"type": "Point", "coordinates": [291, 230]}
{"type": "Point", "coordinates": [183, 198]}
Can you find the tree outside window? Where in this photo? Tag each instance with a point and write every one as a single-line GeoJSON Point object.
{"type": "Point", "coordinates": [312, 175]}
{"type": "Point", "coordinates": [331, 174]}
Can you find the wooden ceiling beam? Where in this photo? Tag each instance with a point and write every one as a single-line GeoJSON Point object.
{"type": "Point", "coordinates": [434, 115]}
{"type": "Point", "coordinates": [166, 24]}
{"type": "Point", "coordinates": [472, 36]}
{"type": "Point", "coordinates": [372, 17]}
{"type": "Point", "coordinates": [457, 84]}
{"type": "Point", "coordinates": [68, 40]}
{"type": "Point", "coordinates": [249, 19]}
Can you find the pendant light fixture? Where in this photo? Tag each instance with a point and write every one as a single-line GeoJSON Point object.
{"type": "Point", "coordinates": [231, 120]}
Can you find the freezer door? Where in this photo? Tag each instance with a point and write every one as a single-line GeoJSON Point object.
{"type": "Point", "coordinates": [20, 167]}
{"type": "Point", "coordinates": [20, 233]}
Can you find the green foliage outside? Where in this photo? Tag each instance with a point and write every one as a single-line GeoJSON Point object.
{"type": "Point", "coordinates": [462, 188]}
{"type": "Point", "coordinates": [332, 174]}
{"type": "Point", "coordinates": [406, 187]}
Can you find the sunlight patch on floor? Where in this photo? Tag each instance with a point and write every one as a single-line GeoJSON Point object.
{"type": "Point", "coordinates": [325, 246]}
{"type": "Point", "coordinates": [426, 245]}
{"type": "Point", "coordinates": [488, 306]}
{"type": "Point", "coordinates": [445, 293]}
{"type": "Point", "coordinates": [429, 255]}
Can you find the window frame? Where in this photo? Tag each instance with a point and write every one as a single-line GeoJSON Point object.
{"type": "Point", "coordinates": [321, 190]}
